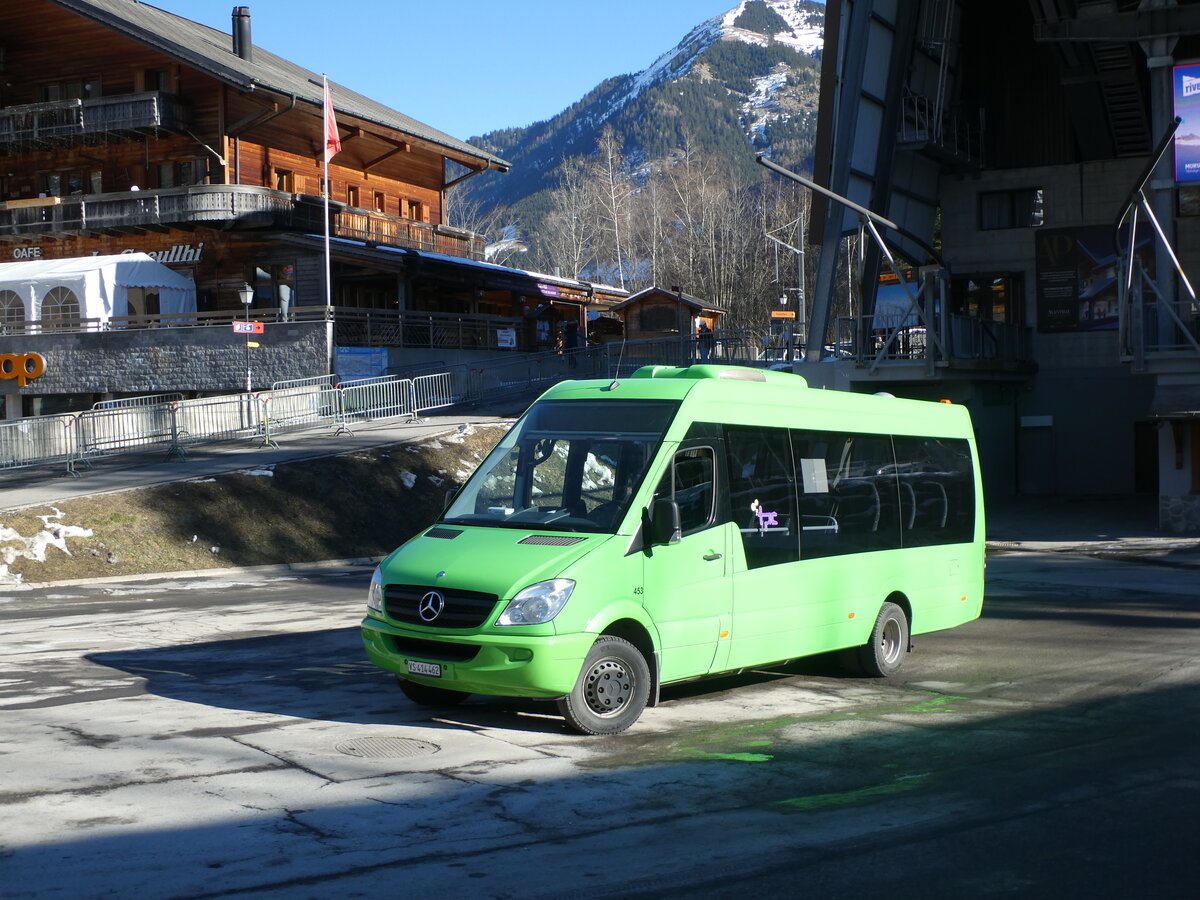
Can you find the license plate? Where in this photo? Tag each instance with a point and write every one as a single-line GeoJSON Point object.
{"type": "Point", "coordinates": [429, 670]}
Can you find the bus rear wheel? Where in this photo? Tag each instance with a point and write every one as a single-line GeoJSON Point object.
{"type": "Point", "coordinates": [427, 695]}
{"type": "Point", "coordinates": [612, 689]}
{"type": "Point", "coordinates": [883, 654]}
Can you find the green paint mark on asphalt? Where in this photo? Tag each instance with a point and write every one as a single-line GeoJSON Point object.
{"type": "Point", "coordinates": [847, 798]}
{"type": "Point", "coordinates": [746, 741]}
{"type": "Point", "coordinates": [739, 757]}
{"type": "Point", "coordinates": [935, 704]}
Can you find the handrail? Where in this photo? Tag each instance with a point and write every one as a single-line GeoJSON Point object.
{"type": "Point", "coordinates": [267, 315]}
{"type": "Point", "coordinates": [193, 204]}
{"type": "Point", "coordinates": [173, 425]}
{"type": "Point", "coordinates": [59, 120]}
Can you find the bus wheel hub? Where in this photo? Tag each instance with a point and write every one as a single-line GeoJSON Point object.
{"type": "Point", "coordinates": [608, 687]}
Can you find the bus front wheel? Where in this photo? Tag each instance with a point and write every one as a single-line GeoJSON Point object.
{"type": "Point", "coordinates": [884, 652]}
{"type": "Point", "coordinates": [612, 689]}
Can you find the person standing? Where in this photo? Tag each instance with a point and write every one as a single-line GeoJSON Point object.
{"type": "Point", "coordinates": [704, 341]}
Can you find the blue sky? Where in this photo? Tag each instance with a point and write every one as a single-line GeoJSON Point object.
{"type": "Point", "coordinates": [465, 67]}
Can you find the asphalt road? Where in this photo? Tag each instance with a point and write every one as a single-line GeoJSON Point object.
{"type": "Point", "coordinates": [197, 738]}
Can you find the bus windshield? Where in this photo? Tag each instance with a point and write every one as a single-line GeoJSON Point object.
{"type": "Point", "coordinates": [566, 466]}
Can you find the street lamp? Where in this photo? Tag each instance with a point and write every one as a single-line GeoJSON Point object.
{"type": "Point", "coordinates": [246, 294]}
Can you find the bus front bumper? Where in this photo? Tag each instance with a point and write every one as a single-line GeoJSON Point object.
{"type": "Point", "coordinates": [517, 665]}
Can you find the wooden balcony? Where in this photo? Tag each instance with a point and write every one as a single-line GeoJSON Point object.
{"type": "Point", "coordinates": [223, 206]}
{"type": "Point", "coordinates": [66, 122]}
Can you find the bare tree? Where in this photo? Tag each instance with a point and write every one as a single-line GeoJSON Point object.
{"type": "Point", "coordinates": [614, 186]}
{"type": "Point", "coordinates": [498, 227]}
{"type": "Point", "coordinates": [683, 220]}
{"type": "Point", "coordinates": [567, 235]}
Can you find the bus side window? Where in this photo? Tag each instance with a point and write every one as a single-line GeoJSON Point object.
{"type": "Point", "coordinates": [937, 490]}
{"type": "Point", "coordinates": [762, 494]}
{"type": "Point", "coordinates": [849, 498]}
{"type": "Point", "coordinates": [690, 482]}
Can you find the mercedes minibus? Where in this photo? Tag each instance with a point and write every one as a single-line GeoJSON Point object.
{"type": "Point", "coordinates": [683, 522]}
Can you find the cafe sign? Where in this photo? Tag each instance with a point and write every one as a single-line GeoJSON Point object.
{"type": "Point", "coordinates": [179, 254]}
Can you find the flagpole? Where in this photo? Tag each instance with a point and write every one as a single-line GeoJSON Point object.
{"type": "Point", "coordinates": [325, 155]}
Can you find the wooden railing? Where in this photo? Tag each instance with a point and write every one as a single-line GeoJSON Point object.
{"type": "Point", "coordinates": [65, 120]}
{"type": "Point", "coordinates": [385, 328]}
{"type": "Point", "coordinates": [353, 327]}
{"type": "Point", "coordinates": [228, 204]}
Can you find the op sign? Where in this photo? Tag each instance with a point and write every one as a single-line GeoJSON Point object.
{"type": "Point", "coordinates": [1186, 81]}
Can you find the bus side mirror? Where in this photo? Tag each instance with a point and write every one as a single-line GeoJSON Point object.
{"type": "Point", "coordinates": [664, 522]}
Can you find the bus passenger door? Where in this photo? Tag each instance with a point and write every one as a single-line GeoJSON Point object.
{"type": "Point", "coordinates": [688, 591]}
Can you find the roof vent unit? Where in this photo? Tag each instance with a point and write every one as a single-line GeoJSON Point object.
{"type": "Point", "coordinates": [242, 45]}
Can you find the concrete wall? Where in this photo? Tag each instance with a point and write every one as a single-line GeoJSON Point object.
{"type": "Point", "coordinates": [1073, 423]}
{"type": "Point", "coordinates": [1076, 430]}
{"type": "Point", "coordinates": [154, 360]}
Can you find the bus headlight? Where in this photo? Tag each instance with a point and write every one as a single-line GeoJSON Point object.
{"type": "Point", "coordinates": [538, 603]}
{"type": "Point", "coordinates": [375, 592]}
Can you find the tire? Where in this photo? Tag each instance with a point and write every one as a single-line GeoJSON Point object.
{"type": "Point", "coordinates": [427, 695]}
{"type": "Point", "coordinates": [884, 653]}
{"type": "Point", "coordinates": [612, 689]}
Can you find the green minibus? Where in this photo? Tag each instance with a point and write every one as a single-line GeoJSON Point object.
{"type": "Point", "coordinates": [683, 522]}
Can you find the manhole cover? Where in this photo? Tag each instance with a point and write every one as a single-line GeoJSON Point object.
{"type": "Point", "coordinates": [386, 748]}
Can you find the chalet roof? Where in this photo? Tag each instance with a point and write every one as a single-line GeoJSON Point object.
{"type": "Point", "coordinates": [677, 296]}
{"type": "Point", "coordinates": [211, 51]}
{"type": "Point", "coordinates": [378, 253]}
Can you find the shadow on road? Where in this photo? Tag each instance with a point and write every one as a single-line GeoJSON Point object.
{"type": "Point", "coordinates": [324, 675]}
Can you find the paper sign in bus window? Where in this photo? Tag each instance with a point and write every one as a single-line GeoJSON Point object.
{"type": "Point", "coordinates": [816, 481]}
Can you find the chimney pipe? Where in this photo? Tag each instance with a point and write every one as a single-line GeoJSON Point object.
{"type": "Point", "coordinates": [242, 45]}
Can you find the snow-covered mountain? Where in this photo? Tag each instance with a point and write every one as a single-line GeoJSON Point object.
{"type": "Point", "coordinates": [740, 83]}
{"type": "Point", "coordinates": [804, 31]}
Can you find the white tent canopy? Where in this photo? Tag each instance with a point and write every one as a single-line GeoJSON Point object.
{"type": "Point", "coordinates": [100, 285]}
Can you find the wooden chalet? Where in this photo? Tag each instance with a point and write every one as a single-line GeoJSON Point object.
{"type": "Point", "coordinates": [655, 313]}
{"type": "Point", "coordinates": [127, 128]}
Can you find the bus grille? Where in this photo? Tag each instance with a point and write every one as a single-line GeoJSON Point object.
{"type": "Point", "coordinates": [462, 609]}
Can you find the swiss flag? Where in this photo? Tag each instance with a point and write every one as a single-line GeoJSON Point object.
{"type": "Point", "coordinates": [333, 142]}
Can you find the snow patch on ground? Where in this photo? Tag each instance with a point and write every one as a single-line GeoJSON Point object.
{"type": "Point", "coordinates": [14, 546]}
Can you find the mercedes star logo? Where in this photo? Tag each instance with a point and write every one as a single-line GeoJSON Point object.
{"type": "Point", "coordinates": [431, 606]}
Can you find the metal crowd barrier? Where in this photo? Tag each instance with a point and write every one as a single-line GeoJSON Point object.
{"type": "Point", "coordinates": [102, 432]}
{"type": "Point", "coordinates": [298, 408]}
{"type": "Point", "coordinates": [213, 419]}
{"type": "Point", "coordinates": [166, 422]}
{"type": "Point", "coordinates": [433, 392]}
{"type": "Point", "coordinates": [148, 400]}
{"type": "Point", "coordinates": [38, 441]}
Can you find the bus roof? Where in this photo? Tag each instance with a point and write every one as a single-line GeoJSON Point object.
{"type": "Point", "coordinates": [743, 395]}
{"type": "Point", "coordinates": [723, 373]}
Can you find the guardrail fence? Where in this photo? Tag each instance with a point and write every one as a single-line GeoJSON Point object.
{"type": "Point", "coordinates": [171, 424]}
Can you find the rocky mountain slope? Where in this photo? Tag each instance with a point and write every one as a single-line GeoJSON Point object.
{"type": "Point", "coordinates": [741, 83]}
